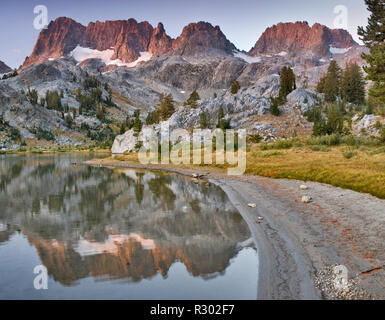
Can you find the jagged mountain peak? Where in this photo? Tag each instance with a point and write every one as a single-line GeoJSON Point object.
{"type": "Point", "coordinates": [128, 39]}
{"type": "Point", "coordinates": [4, 68]}
{"type": "Point", "coordinates": [201, 36]}
{"type": "Point", "coordinates": [299, 37]}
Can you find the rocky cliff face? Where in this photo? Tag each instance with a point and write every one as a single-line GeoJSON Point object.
{"type": "Point", "coordinates": [160, 42]}
{"type": "Point", "coordinates": [4, 68]}
{"type": "Point", "coordinates": [298, 38]}
{"type": "Point", "coordinates": [59, 39]}
{"type": "Point", "coordinates": [199, 38]}
{"type": "Point", "coordinates": [127, 38]}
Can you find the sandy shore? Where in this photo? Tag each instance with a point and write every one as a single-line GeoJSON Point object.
{"type": "Point", "coordinates": [298, 242]}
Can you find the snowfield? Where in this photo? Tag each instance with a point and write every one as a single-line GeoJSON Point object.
{"type": "Point", "coordinates": [246, 57]}
{"type": "Point", "coordinates": [81, 54]}
{"type": "Point", "coordinates": [338, 50]}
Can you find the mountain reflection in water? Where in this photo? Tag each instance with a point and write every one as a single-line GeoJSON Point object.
{"type": "Point", "coordinates": [110, 224]}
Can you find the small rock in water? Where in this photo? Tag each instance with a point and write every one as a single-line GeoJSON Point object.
{"type": "Point", "coordinates": [303, 187]}
{"type": "Point", "coordinates": [306, 199]}
{"type": "Point", "coordinates": [252, 205]}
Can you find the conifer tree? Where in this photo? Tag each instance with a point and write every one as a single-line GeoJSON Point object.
{"type": "Point", "coordinates": [203, 121]}
{"type": "Point", "coordinates": [353, 84]}
{"type": "Point", "coordinates": [235, 86]}
{"type": "Point", "coordinates": [287, 83]}
{"type": "Point", "coordinates": [165, 107]}
{"type": "Point", "coordinates": [192, 100]}
{"type": "Point", "coordinates": [330, 83]}
{"type": "Point", "coordinates": [137, 122]}
{"type": "Point", "coordinates": [274, 110]}
{"type": "Point", "coordinates": [374, 38]}
{"type": "Point", "coordinates": [222, 122]}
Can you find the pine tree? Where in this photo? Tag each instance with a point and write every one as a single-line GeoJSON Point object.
{"type": "Point", "coordinates": [335, 123]}
{"type": "Point", "coordinates": [32, 96]}
{"type": "Point", "coordinates": [287, 83]}
{"type": "Point", "coordinates": [353, 84]}
{"type": "Point", "coordinates": [192, 100]}
{"type": "Point", "coordinates": [69, 120]}
{"type": "Point", "coordinates": [165, 107]}
{"type": "Point", "coordinates": [374, 33]}
{"type": "Point", "coordinates": [274, 110]}
{"type": "Point", "coordinates": [137, 122]}
{"type": "Point", "coordinates": [122, 128]}
{"type": "Point", "coordinates": [203, 121]}
{"type": "Point", "coordinates": [222, 122]}
{"type": "Point", "coordinates": [152, 117]}
{"type": "Point", "coordinates": [374, 36]}
{"type": "Point", "coordinates": [100, 112]}
{"type": "Point", "coordinates": [330, 83]}
{"type": "Point", "coordinates": [235, 86]}
{"type": "Point", "coordinates": [129, 122]}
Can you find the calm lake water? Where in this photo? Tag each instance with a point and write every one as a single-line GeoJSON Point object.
{"type": "Point", "coordinates": [118, 234]}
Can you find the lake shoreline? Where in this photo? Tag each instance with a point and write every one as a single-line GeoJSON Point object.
{"type": "Point", "coordinates": [299, 242]}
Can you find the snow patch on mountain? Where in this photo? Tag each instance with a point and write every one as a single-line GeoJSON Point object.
{"type": "Point", "coordinates": [246, 57]}
{"type": "Point", "coordinates": [334, 50]}
{"type": "Point", "coordinates": [144, 56]}
{"type": "Point", "coordinates": [81, 54]}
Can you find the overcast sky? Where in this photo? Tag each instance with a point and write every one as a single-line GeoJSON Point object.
{"type": "Point", "coordinates": [242, 21]}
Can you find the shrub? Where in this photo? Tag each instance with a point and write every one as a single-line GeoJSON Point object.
{"type": "Point", "coordinates": [279, 144]}
{"type": "Point", "coordinates": [267, 154]}
{"type": "Point", "coordinates": [14, 134]}
{"type": "Point", "coordinates": [69, 121]}
{"type": "Point", "coordinates": [327, 140]}
{"type": "Point", "coordinates": [91, 82]}
{"type": "Point", "coordinates": [349, 154]}
{"type": "Point", "coordinates": [319, 148]}
{"type": "Point", "coordinates": [378, 125]}
{"type": "Point", "coordinates": [255, 138]}
{"type": "Point", "coordinates": [379, 151]}
{"type": "Point", "coordinates": [53, 100]}
{"type": "Point", "coordinates": [32, 96]}
{"type": "Point", "coordinates": [44, 134]}
{"type": "Point", "coordinates": [382, 135]}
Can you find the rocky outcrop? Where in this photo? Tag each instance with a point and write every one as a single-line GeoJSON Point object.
{"type": "Point", "coordinates": [367, 124]}
{"type": "Point", "coordinates": [298, 38]}
{"type": "Point", "coordinates": [4, 68]}
{"type": "Point", "coordinates": [304, 98]}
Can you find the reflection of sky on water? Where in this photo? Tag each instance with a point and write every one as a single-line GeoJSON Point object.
{"type": "Point", "coordinates": [105, 233]}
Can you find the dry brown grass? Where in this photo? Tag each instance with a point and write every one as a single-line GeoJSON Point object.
{"type": "Point", "coordinates": [364, 172]}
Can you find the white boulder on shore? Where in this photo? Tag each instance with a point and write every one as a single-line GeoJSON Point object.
{"type": "Point", "coordinates": [124, 143]}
